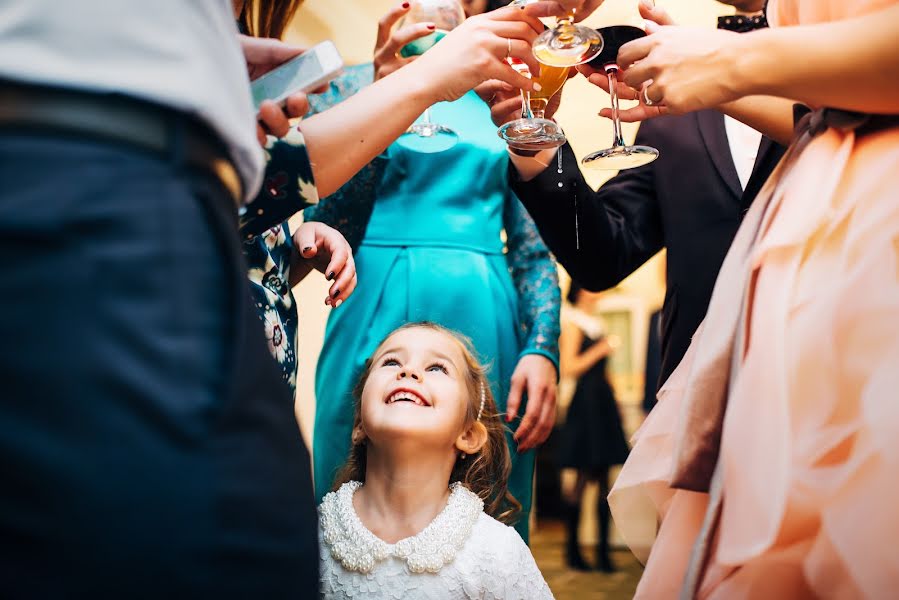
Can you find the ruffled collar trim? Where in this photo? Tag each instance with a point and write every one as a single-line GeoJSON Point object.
{"type": "Point", "coordinates": [358, 549]}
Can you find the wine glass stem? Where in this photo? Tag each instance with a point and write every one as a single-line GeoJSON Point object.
{"type": "Point", "coordinates": [538, 108]}
{"type": "Point", "coordinates": [526, 105]}
{"type": "Point", "coordinates": [612, 73]}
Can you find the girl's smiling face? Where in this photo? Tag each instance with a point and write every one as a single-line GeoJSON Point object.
{"type": "Point", "coordinates": [416, 390]}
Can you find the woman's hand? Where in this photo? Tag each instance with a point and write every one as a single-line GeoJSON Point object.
{"type": "Point", "coordinates": [506, 103]}
{"type": "Point", "coordinates": [273, 120]}
{"type": "Point", "coordinates": [477, 50]}
{"type": "Point", "coordinates": [387, 47]}
{"type": "Point", "coordinates": [324, 249]}
{"type": "Point", "coordinates": [548, 8]}
{"type": "Point", "coordinates": [685, 68]}
{"type": "Point", "coordinates": [536, 375]}
{"type": "Point", "coordinates": [263, 55]}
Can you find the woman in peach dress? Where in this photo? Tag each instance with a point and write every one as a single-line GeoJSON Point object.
{"type": "Point", "coordinates": [793, 490]}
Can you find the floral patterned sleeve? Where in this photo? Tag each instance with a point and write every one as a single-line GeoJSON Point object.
{"type": "Point", "coordinates": [288, 186]}
{"type": "Point", "coordinates": [349, 209]}
{"type": "Point", "coordinates": [536, 281]}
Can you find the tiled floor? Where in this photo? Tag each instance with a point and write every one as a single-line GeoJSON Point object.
{"type": "Point", "coordinates": [547, 544]}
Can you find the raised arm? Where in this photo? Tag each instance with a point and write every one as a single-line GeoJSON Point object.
{"type": "Point", "coordinates": [345, 138]}
{"type": "Point", "coordinates": [600, 237]}
{"type": "Point", "coordinates": [349, 208]}
{"type": "Point", "coordinates": [691, 69]}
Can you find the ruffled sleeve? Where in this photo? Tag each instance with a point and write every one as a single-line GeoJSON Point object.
{"type": "Point", "coordinates": [536, 281]}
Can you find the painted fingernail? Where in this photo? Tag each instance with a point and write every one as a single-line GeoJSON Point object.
{"type": "Point", "coordinates": [338, 303]}
{"type": "Point", "coordinates": [432, 27]}
{"type": "Point", "coordinates": [537, 87]}
{"type": "Point", "coordinates": [307, 249]}
{"type": "Point", "coordinates": [405, 5]}
{"type": "Point", "coordinates": [335, 294]}
{"type": "Point", "coordinates": [330, 275]}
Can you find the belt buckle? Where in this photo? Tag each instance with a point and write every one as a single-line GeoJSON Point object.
{"type": "Point", "coordinates": [227, 174]}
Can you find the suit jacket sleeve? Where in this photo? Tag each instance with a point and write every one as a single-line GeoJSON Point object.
{"type": "Point", "coordinates": [600, 237]}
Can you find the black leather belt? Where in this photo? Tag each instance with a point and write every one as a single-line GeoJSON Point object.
{"type": "Point", "coordinates": [119, 118]}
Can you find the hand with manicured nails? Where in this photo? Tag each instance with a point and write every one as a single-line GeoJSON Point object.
{"type": "Point", "coordinates": [263, 55]}
{"type": "Point", "coordinates": [476, 51]}
{"type": "Point", "coordinates": [324, 249]}
{"type": "Point", "coordinates": [556, 8]}
{"type": "Point", "coordinates": [388, 45]}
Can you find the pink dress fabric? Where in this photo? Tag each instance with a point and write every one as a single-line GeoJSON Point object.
{"type": "Point", "coordinates": [810, 444]}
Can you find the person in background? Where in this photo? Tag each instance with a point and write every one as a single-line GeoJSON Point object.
{"type": "Point", "coordinates": [592, 439]}
{"type": "Point", "coordinates": [428, 237]}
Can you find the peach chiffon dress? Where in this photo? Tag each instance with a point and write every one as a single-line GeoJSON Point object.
{"type": "Point", "coordinates": [808, 462]}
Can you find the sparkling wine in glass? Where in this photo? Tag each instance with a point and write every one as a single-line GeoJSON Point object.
{"type": "Point", "coordinates": [619, 156]}
{"type": "Point", "coordinates": [424, 135]}
{"type": "Point", "coordinates": [533, 131]}
{"type": "Point", "coordinates": [567, 44]}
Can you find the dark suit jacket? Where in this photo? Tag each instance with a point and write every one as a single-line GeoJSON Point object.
{"type": "Point", "coordinates": [653, 360]}
{"type": "Point", "coordinates": [688, 201]}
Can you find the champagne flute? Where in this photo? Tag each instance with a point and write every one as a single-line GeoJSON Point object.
{"type": "Point", "coordinates": [424, 135]}
{"type": "Point", "coordinates": [620, 155]}
{"type": "Point", "coordinates": [567, 44]}
{"type": "Point", "coordinates": [533, 131]}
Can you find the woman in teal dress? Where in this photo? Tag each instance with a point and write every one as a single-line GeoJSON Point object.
{"type": "Point", "coordinates": [427, 233]}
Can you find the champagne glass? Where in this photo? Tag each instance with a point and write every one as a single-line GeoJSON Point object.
{"type": "Point", "coordinates": [424, 135]}
{"type": "Point", "coordinates": [533, 131]}
{"type": "Point", "coordinates": [619, 156]}
{"type": "Point", "coordinates": [567, 44]}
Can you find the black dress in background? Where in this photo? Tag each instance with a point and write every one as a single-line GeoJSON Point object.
{"type": "Point", "coordinates": [592, 437]}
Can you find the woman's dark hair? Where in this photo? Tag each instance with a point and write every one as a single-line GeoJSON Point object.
{"type": "Point", "coordinates": [486, 473]}
{"type": "Point", "coordinates": [267, 18]}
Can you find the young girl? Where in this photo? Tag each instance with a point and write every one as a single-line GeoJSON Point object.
{"type": "Point", "coordinates": [410, 514]}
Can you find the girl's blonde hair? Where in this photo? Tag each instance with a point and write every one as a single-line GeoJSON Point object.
{"type": "Point", "coordinates": [486, 473]}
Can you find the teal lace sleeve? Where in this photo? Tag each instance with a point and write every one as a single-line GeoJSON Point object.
{"type": "Point", "coordinates": [349, 209]}
{"type": "Point", "coordinates": [536, 281]}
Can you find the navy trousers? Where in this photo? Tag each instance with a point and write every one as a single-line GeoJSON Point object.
{"type": "Point", "coordinates": [148, 447]}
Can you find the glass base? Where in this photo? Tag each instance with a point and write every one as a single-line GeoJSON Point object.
{"type": "Point", "coordinates": [428, 138]}
{"type": "Point", "coordinates": [532, 134]}
{"type": "Point", "coordinates": [620, 158]}
{"type": "Point", "coordinates": [567, 46]}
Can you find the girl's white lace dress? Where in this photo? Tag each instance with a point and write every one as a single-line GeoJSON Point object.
{"type": "Point", "coordinates": [462, 554]}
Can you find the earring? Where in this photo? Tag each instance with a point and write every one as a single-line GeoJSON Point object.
{"type": "Point", "coordinates": [463, 456]}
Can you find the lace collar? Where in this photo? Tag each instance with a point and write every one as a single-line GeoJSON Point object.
{"type": "Point", "coordinates": [358, 549]}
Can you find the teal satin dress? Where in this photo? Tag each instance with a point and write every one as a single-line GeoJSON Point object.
{"type": "Point", "coordinates": [428, 231]}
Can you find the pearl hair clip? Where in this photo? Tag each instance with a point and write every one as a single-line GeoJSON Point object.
{"type": "Point", "coordinates": [483, 400]}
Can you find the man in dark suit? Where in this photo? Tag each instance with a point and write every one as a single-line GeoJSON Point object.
{"type": "Point", "coordinates": [690, 201]}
